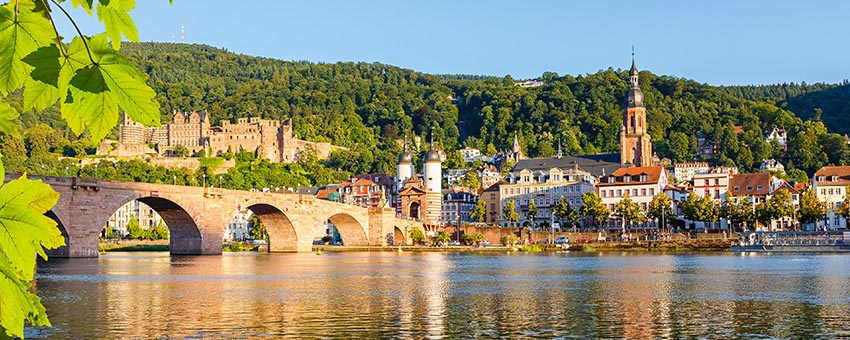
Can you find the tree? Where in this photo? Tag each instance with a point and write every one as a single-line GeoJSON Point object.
{"type": "Point", "coordinates": [737, 211]}
{"type": "Point", "coordinates": [629, 211]}
{"type": "Point", "coordinates": [479, 211]}
{"type": "Point", "coordinates": [470, 180]}
{"type": "Point", "coordinates": [441, 237]}
{"type": "Point", "coordinates": [507, 165]}
{"type": "Point", "coordinates": [509, 212]}
{"type": "Point", "coordinates": [812, 209]}
{"type": "Point", "coordinates": [416, 235]}
{"type": "Point", "coordinates": [660, 209]}
{"type": "Point", "coordinates": [134, 230]}
{"type": "Point", "coordinates": [257, 230]}
{"type": "Point", "coordinates": [844, 208]}
{"type": "Point", "coordinates": [781, 204]}
{"type": "Point", "coordinates": [592, 207]}
{"type": "Point", "coordinates": [181, 151]}
{"type": "Point", "coordinates": [701, 209]}
{"type": "Point", "coordinates": [531, 214]}
{"type": "Point", "coordinates": [158, 232]}
{"type": "Point", "coordinates": [562, 210]}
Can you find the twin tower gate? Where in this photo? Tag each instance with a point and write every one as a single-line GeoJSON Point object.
{"type": "Point", "coordinates": [198, 217]}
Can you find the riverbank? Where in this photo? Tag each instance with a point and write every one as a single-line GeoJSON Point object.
{"type": "Point", "coordinates": [654, 245]}
{"type": "Point", "coordinates": [133, 245]}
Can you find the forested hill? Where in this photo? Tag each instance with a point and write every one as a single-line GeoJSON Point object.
{"type": "Point", "coordinates": [362, 105]}
{"type": "Point", "coordinates": [828, 102]}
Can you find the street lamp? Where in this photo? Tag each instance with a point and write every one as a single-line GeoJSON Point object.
{"type": "Point", "coordinates": [204, 181]}
{"type": "Point", "coordinates": [42, 169]}
{"type": "Point", "coordinates": [95, 170]}
{"type": "Point", "coordinates": [175, 179]}
{"type": "Point", "coordinates": [66, 172]}
{"type": "Point", "coordinates": [219, 182]}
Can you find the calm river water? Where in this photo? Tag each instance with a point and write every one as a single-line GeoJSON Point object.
{"type": "Point", "coordinates": [446, 295]}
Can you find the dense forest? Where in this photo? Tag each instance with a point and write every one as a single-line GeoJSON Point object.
{"type": "Point", "coordinates": [367, 107]}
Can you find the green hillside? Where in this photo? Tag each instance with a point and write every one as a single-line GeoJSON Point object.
{"type": "Point", "coordinates": [366, 106]}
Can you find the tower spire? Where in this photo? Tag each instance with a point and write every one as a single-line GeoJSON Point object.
{"type": "Point", "coordinates": [432, 137]}
{"type": "Point", "coordinates": [559, 148]}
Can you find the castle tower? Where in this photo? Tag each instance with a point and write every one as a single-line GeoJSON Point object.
{"type": "Point", "coordinates": [635, 143]}
{"type": "Point", "coordinates": [433, 184]}
{"type": "Point", "coordinates": [404, 169]}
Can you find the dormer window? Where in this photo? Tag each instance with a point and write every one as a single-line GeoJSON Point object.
{"type": "Point", "coordinates": [611, 179]}
{"type": "Point", "coordinates": [627, 179]}
{"type": "Point", "coordinates": [749, 188]}
{"type": "Point", "coordinates": [643, 178]}
{"type": "Point", "coordinates": [758, 187]}
{"type": "Point", "coordinates": [835, 178]}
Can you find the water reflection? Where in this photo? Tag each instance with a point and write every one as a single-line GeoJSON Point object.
{"type": "Point", "coordinates": [439, 295]}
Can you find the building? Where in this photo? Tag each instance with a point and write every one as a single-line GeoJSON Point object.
{"type": "Point", "coordinates": [715, 185]}
{"type": "Point", "coordinates": [515, 153]}
{"type": "Point", "coordinates": [422, 198]}
{"type": "Point", "coordinates": [492, 198]}
{"type": "Point", "coordinates": [470, 154]}
{"type": "Point", "coordinates": [706, 147]}
{"type": "Point", "coordinates": [684, 172]}
{"type": "Point", "coordinates": [361, 192]}
{"type": "Point", "coordinates": [639, 183]}
{"type": "Point", "coordinates": [273, 139]}
{"type": "Point", "coordinates": [635, 142]}
{"type": "Point", "coordinates": [489, 175]}
{"type": "Point", "coordinates": [772, 165]}
{"type": "Point", "coordinates": [239, 229]}
{"type": "Point", "coordinates": [830, 184]}
{"type": "Point", "coordinates": [453, 175]}
{"type": "Point", "coordinates": [778, 135]}
{"type": "Point", "coordinates": [544, 181]}
{"type": "Point", "coordinates": [457, 206]}
{"type": "Point", "coordinates": [144, 214]}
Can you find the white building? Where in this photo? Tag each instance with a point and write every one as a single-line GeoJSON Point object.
{"type": "Point", "coordinates": [146, 216]}
{"type": "Point", "coordinates": [489, 175]}
{"type": "Point", "coordinates": [453, 175]}
{"type": "Point", "coordinates": [771, 165]}
{"type": "Point", "coordinates": [830, 185]}
{"type": "Point", "coordinates": [239, 228]}
{"type": "Point", "coordinates": [545, 187]}
{"type": "Point", "coordinates": [779, 135]}
{"type": "Point", "coordinates": [457, 207]}
{"type": "Point", "coordinates": [470, 154]}
{"type": "Point", "coordinates": [684, 172]}
{"type": "Point", "coordinates": [716, 186]}
{"type": "Point", "coordinates": [639, 183]}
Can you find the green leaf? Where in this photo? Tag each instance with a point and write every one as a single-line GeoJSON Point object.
{"type": "Point", "coordinates": [85, 4]}
{"type": "Point", "coordinates": [116, 20]}
{"type": "Point", "coordinates": [89, 105]}
{"type": "Point", "coordinates": [7, 115]}
{"type": "Point", "coordinates": [21, 35]}
{"type": "Point", "coordinates": [17, 303]}
{"type": "Point", "coordinates": [24, 230]}
{"type": "Point", "coordinates": [49, 78]}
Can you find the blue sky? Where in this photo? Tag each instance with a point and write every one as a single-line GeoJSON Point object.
{"type": "Point", "coordinates": [716, 42]}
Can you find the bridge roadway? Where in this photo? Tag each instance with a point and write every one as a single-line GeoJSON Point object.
{"type": "Point", "coordinates": [198, 217]}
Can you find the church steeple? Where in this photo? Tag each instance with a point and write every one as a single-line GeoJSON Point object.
{"type": "Point", "coordinates": [635, 142]}
{"type": "Point", "coordinates": [634, 98]}
{"type": "Point", "coordinates": [516, 147]}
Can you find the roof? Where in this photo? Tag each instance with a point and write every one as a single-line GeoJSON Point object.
{"type": "Point", "coordinates": [379, 179]}
{"type": "Point", "coordinates": [495, 186]}
{"type": "Point", "coordinates": [653, 175]}
{"type": "Point", "coordinates": [787, 186]}
{"type": "Point", "coordinates": [324, 193]}
{"type": "Point", "coordinates": [307, 190]}
{"type": "Point", "coordinates": [432, 156]}
{"type": "Point", "coordinates": [596, 165]}
{"type": "Point", "coordinates": [752, 181]}
{"type": "Point", "coordinates": [842, 173]}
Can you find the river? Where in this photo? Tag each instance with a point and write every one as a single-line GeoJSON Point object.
{"type": "Point", "coordinates": [446, 295]}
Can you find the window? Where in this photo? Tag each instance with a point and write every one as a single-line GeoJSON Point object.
{"type": "Point", "coordinates": [634, 192]}
{"type": "Point", "coordinates": [707, 193]}
{"type": "Point", "coordinates": [717, 181]}
{"type": "Point", "coordinates": [604, 193]}
{"type": "Point", "coordinates": [643, 178]}
{"type": "Point", "coordinates": [619, 192]}
{"type": "Point", "coordinates": [611, 179]}
{"type": "Point", "coordinates": [643, 192]}
{"type": "Point", "coordinates": [823, 192]}
{"type": "Point", "coordinates": [758, 187]}
{"type": "Point", "coordinates": [831, 191]}
{"type": "Point", "coordinates": [736, 188]}
{"type": "Point", "coordinates": [651, 192]}
{"type": "Point", "coordinates": [717, 194]}
{"type": "Point", "coordinates": [492, 206]}
{"type": "Point", "coordinates": [749, 188]}
{"type": "Point", "coordinates": [627, 179]}
{"type": "Point", "coordinates": [643, 206]}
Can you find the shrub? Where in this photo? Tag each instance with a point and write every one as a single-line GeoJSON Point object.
{"type": "Point", "coordinates": [509, 240]}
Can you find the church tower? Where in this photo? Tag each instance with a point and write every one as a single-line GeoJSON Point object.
{"type": "Point", "coordinates": [635, 144]}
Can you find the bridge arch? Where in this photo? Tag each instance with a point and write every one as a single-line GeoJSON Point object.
{"type": "Point", "coordinates": [351, 231]}
{"type": "Point", "coordinates": [281, 233]}
{"type": "Point", "coordinates": [62, 251]}
{"type": "Point", "coordinates": [184, 235]}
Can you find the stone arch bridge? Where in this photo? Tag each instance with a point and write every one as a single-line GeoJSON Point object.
{"type": "Point", "coordinates": [198, 217]}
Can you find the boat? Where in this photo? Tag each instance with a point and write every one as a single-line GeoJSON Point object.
{"type": "Point", "coordinates": [792, 241]}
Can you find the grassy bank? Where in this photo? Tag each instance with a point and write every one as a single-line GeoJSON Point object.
{"type": "Point", "coordinates": [160, 245]}
{"type": "Point", "coordinates": [681, 245]}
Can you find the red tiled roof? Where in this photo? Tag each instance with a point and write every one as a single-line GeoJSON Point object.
{"type": "Point", "coordinates": [653, 175]}
{"type": "Point", "coordinates": [324, 193]}
{"type": "Point", "coordinates": [842, 173]}
{"type": "Point", "coordinates": [751, 181]}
